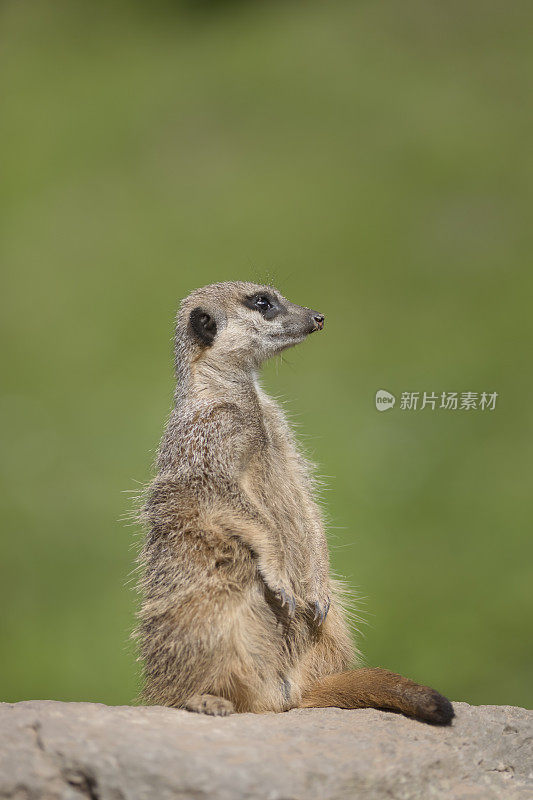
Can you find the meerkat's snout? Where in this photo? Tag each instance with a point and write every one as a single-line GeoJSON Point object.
{"type": "Point", "coordinates": [312, 321]}
{"type": "Point", "coordinates": [318, 321]}
{"type": "Point", "coordinates": [297, 323]}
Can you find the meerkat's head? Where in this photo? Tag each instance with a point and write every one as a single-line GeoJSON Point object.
{"type": "Point", "coordinates": [241, 324]}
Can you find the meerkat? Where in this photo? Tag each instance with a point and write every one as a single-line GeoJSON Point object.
{"type": "Point", "coordinates": [239, 612]}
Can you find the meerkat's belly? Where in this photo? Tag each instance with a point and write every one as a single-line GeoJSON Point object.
{"type": "Point", "coordinates": [216, 629]}
{"type": "Point", "coordinates": [257, 647]}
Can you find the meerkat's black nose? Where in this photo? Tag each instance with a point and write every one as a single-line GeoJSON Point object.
{"type": "Point", "coordinates": [318, 320]}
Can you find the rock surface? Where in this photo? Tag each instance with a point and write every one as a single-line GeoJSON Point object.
{"type": "Point", "coordinates": [67, 751]}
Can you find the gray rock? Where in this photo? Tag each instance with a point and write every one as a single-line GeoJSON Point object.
{"type": "Point", "coordinates": [67, 751]}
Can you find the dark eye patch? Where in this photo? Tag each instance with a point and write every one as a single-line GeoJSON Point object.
{"type": "Point", "coordinates": [265, 303]}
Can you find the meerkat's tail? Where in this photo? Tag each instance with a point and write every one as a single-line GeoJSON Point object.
{"type": "Point", "coordinates": [379, 688]}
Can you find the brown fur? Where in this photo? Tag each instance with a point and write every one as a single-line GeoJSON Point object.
{"type": "Point", "coordinates": [239, 612]}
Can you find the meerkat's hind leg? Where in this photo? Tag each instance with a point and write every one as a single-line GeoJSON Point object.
{"type": "Point", "coordinates": [379, 688]}
{"type": "Point", "coordinates": [210, 704]}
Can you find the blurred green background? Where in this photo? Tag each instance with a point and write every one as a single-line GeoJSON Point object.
{"type": "Point", "coordinates": [370, 159]}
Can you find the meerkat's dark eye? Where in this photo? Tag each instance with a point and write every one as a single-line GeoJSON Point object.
{"type": "Point", "coordinates": [267, 305]}
{"type": "Point", "coordinates": [262, 303]}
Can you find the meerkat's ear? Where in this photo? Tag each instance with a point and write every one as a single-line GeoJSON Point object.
{"type": "Point", "coordinates": [203, 325]}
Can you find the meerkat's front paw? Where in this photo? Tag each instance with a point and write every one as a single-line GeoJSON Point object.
{"type": "Point", "coordinates": [320, 609]}
{"type": "Point", "coordinates": [210, 704]}
{"type": "Point", "coordinates": [287, 600]}
{"type": "Point", "coordinates": [279, 587]}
